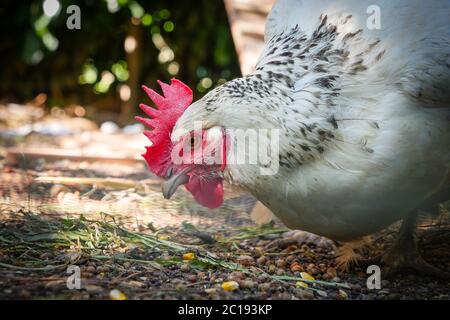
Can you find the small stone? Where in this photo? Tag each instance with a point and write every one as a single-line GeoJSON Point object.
{"type": "Point", "coordinates": [247, 284]}
{"type": "Point", "coordinates": [326, 277]}
{"type": "Point", "coordinates": [263, 278]}
{"type": "Point", "coordinates": [80, 296]}
{"type": "Point", "coordinates": [261, 260]}
{"type": "Point", "coordinates": [192, 278]}
{"type": "Point", "coordinates": [282, 296]}
{"type": "Point", "coordinates": [133, 284]}
{"type": "Point", "coordinates": [211, 290]}
{"type": "Point", "coordinates": [291, 258]}
{"type": "Point", "coordinates": [279, 272]}
{"type": "Point", "coordinates": [331, 272]}
{"type": "Point", "coordinates": [245, 260]}
{"type": "Point", "coordinates": [303, 294]}
{"type": "Point", "coordinates": [311, 267]}
{"type": "Point", "coordinates": [322, 293]}
{"type": "Point", "coordinates": [185, 267]}
{"type": "Point", "coordinates": [91, 269]}
{"type": "Point", "coordinates": [180, 287]}
{"type": "Point", "coordinates": [356, 287]}
{"type": "Point", "coordinates": [314, 271]}
{"type": "Point", "coordinates": [296, 267]}
{"type": "Point", "coordinates": [264, 286]}
{"type": "Point", "coordinates": [280, 263]}
{"type": "Point", "coordinates": [259, 252]}
{"type": "Point", "coordinates": [343, 294]}
{"type": "Point", "coordinates": [102, 268]}
{"type": "Point", "coordinates": [272, 268]}
{"type": "Point", "coordinates": [237, 275]}
{"type": "Point", "coordinates": [93, 288]}
{"type": "Point", "coordinates": [24, 294]}
{"type": "Point", "coordinates": [334, 296]}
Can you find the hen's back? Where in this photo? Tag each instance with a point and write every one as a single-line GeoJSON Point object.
{"type": "Point", "coordinates": [415, 34]}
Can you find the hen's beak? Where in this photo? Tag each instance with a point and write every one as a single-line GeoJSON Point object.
{"type": "Point", "coordinates": [170, 186]}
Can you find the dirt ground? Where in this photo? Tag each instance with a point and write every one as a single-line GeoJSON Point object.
{"type": "Point", "coordinates": [109, 219]}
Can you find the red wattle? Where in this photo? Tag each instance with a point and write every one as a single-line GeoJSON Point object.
{"type": "Point", "coordinates": [207, 193]}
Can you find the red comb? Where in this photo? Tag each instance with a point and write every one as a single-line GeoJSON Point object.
{"type": "Point", "coordinates": [177, 97]}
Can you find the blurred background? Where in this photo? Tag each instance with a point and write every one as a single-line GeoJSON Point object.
{"type": "Point", "coordinates": [70, 88]}
{"type": "Point", "coordinates": [97, 70]}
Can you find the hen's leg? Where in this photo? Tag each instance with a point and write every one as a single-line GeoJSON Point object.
{"type": "Point", "coordinates": [404, 254]}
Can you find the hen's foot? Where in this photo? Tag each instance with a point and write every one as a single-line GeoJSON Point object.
{"type": "Point", "coordinates": [404, 255]}
{"type": "Point", "coordinates": [400, 259]}
{"type": "Point", "coordinates": [396, 261]}
{"type": "Point", "coordinates": [349, 254]}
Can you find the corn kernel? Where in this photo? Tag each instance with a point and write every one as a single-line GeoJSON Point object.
{"type": "Point", "coordinates": [117, 295]}
{"type": "Point", "coordinates": [301, 284]}
{"type": "Point", "coordinates": [307, 276]}
{"type": "Point", "coordinates": [230, 285]}
{"type": "Point", "coordinates": [188, 256]}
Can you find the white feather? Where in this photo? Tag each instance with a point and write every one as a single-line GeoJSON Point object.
{"type": "Point", "coordinates": [391, 151]}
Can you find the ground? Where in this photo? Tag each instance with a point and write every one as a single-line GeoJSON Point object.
{"type": "Point", "coordinates": [109, 219]}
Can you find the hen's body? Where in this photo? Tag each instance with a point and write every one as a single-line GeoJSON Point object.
{"type": "Point", "coordinates": [390, 149]}
{"type": "Point", "coordinates": [364, 114]}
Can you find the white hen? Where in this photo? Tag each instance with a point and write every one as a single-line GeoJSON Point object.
{"type": "Point", "coordinates": [363, 114]}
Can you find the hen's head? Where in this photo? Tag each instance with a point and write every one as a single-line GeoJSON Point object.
{"type": "Point", "coordinates": [195, 159]}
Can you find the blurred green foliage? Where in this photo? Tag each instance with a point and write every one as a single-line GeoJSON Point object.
{"type": "Point", "coordinates": [187, 39]}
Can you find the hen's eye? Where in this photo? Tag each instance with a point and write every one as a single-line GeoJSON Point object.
{"type": "Point", "coordinates": [194, 141]}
